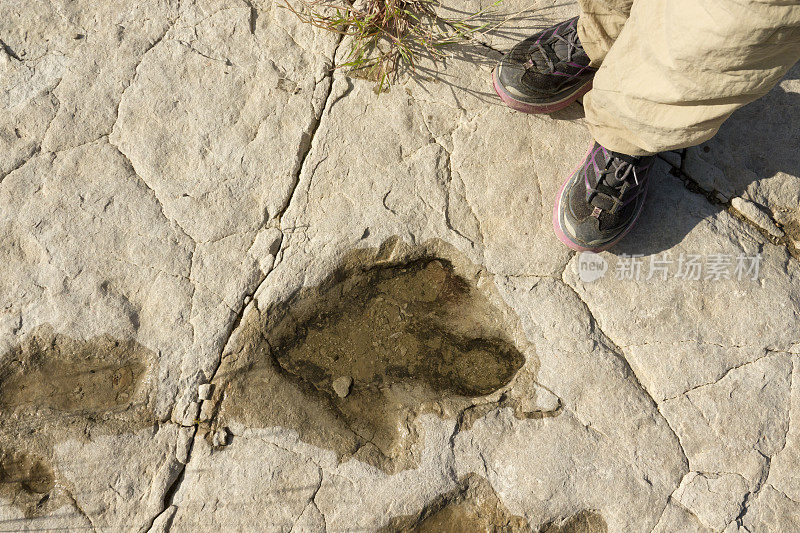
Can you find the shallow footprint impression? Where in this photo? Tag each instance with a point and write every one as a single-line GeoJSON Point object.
{"type": "Point", "coordinates": [52, 388]}
{"type": "Point", "coordinates": [350, 363]}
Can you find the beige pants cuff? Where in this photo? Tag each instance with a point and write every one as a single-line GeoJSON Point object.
{"type": "Point", "coordinates": [672, 71]}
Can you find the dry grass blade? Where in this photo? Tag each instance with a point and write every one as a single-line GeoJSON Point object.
{"type": "Point", "coordinates": [387, 35]}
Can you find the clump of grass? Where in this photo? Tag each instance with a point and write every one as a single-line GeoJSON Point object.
{"type": "Point", "coordinates": [388, 35]}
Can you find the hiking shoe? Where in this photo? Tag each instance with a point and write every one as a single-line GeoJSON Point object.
{"type": "Point", "coordinates": [601, 200]}
{"type": "Point", "coordinates": [545, 72]}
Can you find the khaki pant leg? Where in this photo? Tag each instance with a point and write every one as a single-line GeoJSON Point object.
{"type": "Point", "coordinates": [679, 68]}
{"type": "Point", "coordinates": [600, 24]}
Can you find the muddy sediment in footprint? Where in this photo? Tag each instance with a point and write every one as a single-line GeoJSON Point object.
{"type": "Point", "coordinates": [26, 480]}
{"type": "Point", "coordinates": [53, 388]}
{"type": "Point", "coordinates": [409, 334]}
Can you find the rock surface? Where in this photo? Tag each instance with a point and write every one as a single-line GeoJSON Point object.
{"type": "Point", "coordinates": [239, 290]}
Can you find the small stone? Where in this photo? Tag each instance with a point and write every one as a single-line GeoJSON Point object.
{"type": "Point", "coordinates": [755, 215]}
{"type": "Point", "coordinates": [183, 445]}
{"type": "Point", "coordinates": [221, 437]}
{"type": "Point", "coordinates": [265, 247]}
{"type": "Point", "coordinates": [341, 385]}
{"type": "Point", "coordinates": [204, 391]}
{"type": "Point", "coordinates": [191, 414]}
{"type": "Point", "coordinates": [206, 410]}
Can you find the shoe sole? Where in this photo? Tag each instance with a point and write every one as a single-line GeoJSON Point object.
{"type": "Point", "coordinates": [538, 109]}
{"type": "Point", "coordinates": [562, 236]}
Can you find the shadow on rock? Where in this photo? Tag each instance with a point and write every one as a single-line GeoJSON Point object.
{"type": "Point", "coordinates": [752, 149]}
{"type": "Point", "coordinates": [670, 213]}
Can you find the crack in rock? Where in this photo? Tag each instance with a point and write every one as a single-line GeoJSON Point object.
{"type": "Point", "coordinates": [36, 150]}
{"type": "Point", "coordinates": [307, 140]}
{"type": "Point", "coordinates": [617, 351]}
{"type": "Point", "coordinates": [168, 500]}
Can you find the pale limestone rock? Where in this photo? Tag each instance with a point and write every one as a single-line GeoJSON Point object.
{"type": "Point", "coordinates": [206, 410]}
{"type": "Point", "coordinates": [221, 438]}
{"type": "Point", "coordinates": [90, 252]}
{"type": "Point", "coordinates": [732, 457]}
{"type": "Point", "coordinates": [204, 391]}
{"type": "Point", "coordinates": [509, 452]}
{"type": "Point", "coordinates": [669, 352]}
{"type": "Point", "coordinates": [83, 78]}
{"type": "Point", "coordinates": [119, 481]}
{"type": "Point", "coordinates": [540, 400]}
{"type": "Point", "coordinates": [310, 520]}
{"type": "Point", "coordinates": [784, 474]}
{"type": "Point", "coordinates": [180, 157]}
{"type": "Point", "coordinates": [343, 493]}
{"type": "Point", "coordinates": [66, 517]}
{"type": "Point", "coordinates": [264, 249]}
{"type": "Point", "coordinates": [677, 518]}
{"type": "Point", "coordinates": [208, 124]}
{"type": "Point", "coordinates": [772, 512]}
{"type": "Point", "coordinates": [217, 493]}
{"type": "Point", "coordinates": [520, 19]}
{"type": "Point", "coordinates": [497, 173]}
{"type": "Point", "coordinates": [192, 414]}
{"type": "Point", "coordinates": [707, 418]}
{"type": "Point", "coordinates": [751, 211]}
{"type": "Point", "coordinates": [714, 498]}
{"type": "Point", "coordinates": [163, 522]}
{"type": "Point", "coordinates": [184, 444]}
{"type": "Point", "coordinates": [225, 98]}
{"type": "Point", "coordinates": [355, 493]}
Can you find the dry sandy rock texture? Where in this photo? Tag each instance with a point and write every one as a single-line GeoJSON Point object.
{"type": "Point", "coordinates": [240, 291]}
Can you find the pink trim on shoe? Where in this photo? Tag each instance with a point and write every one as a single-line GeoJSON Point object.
{"type": "Point", "coordinates": [557, 222]}
{"type": "Point", "coordinates": [536, 109]}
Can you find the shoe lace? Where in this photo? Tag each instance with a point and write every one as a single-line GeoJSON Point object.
{"type": "Point", "coordinates": [619, 177]}
{"type": "Point", "coordinates": [571, 42]}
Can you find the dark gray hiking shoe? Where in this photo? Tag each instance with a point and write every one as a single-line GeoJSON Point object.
{"type": "Point", "coordinates": [600, 202]}
{"type": "Point", "coordinates": [545, 72]}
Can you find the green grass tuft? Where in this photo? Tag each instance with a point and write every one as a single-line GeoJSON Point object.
{"type": "Point", "coordinates": [387, 36]}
